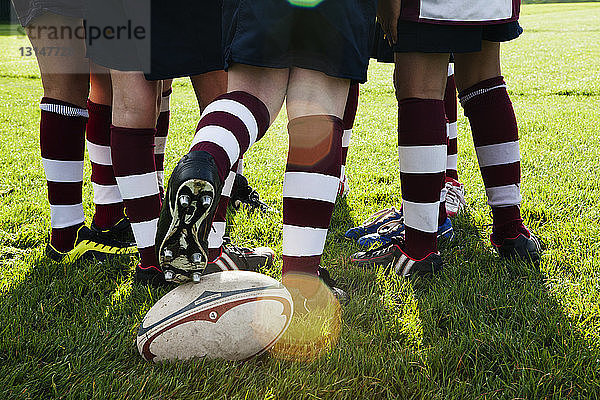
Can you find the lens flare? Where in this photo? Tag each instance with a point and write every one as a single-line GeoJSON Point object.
{"type": "Point", "coordinates": [316, 323]}
{"type": "Point", "coordinates": [305, 3]}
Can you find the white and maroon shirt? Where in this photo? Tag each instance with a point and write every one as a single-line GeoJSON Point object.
{"type": "Point", "coordinates": [460, 12]}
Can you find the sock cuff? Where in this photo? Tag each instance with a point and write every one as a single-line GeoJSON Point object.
{"type": "Point", "coordinates": [133, 131]}
{"type": "Point", "coordinates": [481, 88]}
{"type": "Point", "coordinates": [100, 109]}
{"type": "Point", "coordinates": [63, 108]}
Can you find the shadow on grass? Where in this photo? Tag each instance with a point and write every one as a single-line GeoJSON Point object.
{"type": "Point", "coordinates": [482, 328]}
{"type": "Point", "coordinates": [65, 327]}
{"type": "Point", "coordinates": [491, 328]}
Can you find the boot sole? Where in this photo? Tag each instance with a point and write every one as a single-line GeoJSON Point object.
{"type": "Point", "coordinates": [183, 250]}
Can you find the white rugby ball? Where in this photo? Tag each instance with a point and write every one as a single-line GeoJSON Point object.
{"type": "Point", "coordinates": [232, 315]}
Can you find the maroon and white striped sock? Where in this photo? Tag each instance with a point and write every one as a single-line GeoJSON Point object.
{"type": "Point", "coordinates": [348, 121]}
{"type": "Point", "coordinates": [219, 224]}
{"type": "Point", "coordinates": [229, 126]}
{"type": "Point", "coordinates": [450, 106]}
{"type": "Point", "coordinates": [310, 188]}
{"type": "Point", "coordinates": [496, 138]}
{"type": "Point", "coordinates": [422, 154]}
{"type": "Point", "coordinates": [107, 198]}
{"type": "Point", "coordinates": [160, 141]}
{"type": "Point", "coordinates": [132, 153]}
{"type": "Point", "coordinates": [62, 143]}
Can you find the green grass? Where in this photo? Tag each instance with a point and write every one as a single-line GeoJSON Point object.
{"type": "Point", "coordinates": [480, 329]}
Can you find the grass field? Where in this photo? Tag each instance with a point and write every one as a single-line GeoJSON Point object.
{"type": "Point", "coordinates": [480, 329]}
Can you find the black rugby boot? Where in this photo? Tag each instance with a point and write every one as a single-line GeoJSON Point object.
{"type": "Point", "coordinates": [526, 249]}
{"type": "Point", "coordinates": [186, 217]}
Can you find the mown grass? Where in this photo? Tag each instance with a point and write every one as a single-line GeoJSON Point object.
{"type": "Point", "coordinates": [480, 329]}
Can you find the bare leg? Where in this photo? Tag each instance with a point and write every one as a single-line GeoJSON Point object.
{"type": "Point", "coordinates": [472, 68]}
{"type": "Point", "coordinates": [62, 127]}
{"type": "Point", "coordinates": [109, 207]}
{"type": "Point", "coordinates": [64, 78]}
{"type": "Point", "coordinates": [208, 87]}
{"type": "Point", "coordinates": [135, 111]}
{"type": "Point", "coordinates": [420, 81]}
{"type": "Point", "coordinates": [315, 106]}
{"type": "Point", "coordinates": [135, 100]}
{"type": "Point", "coordinates": [485, 100]}
{"type": "Point", "coordinates": [267, 84]}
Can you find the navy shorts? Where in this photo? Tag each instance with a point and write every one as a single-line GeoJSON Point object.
{"type": "Point", "coordinates": [118, 33]}
{"type": "Point", "coordinates": [414, 37]}
{"type": "Point", "coordinates": [331, 37]}
{"type": "Point", "coordinates": [186, 38]}
{"type": "Point", "coordinates": [28, 10]}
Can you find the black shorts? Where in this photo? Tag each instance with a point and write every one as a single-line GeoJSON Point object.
{"type": "Point", "coordinates": [28, 10]}
{"type": "Point", "coordinates": [414, 37]}
{"type": "Point", "coordinates": [118, 33]}
{"type": "Point", "coordinates": [186, 38]}
{"type": "Point", "coordinates": [331, 37]}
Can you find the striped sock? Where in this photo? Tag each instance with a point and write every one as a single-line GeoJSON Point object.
{"type": "Point", "coordinates": [422, 153]}
{"type": "Point", "coordinates": [348, 121]}
{"type": "Point", "coordinates": [107, 198]}
{"type": "Point", "coordinates": [215, 236]}
{"type": "Point", "coordinates": [160, 140]}
{"type": "Point", "coordinates": [62, 132]}
{"type": "Point", "coordinates": [496, 138]}
{"type": "Point", "coordinates": [229, 126]}
{"type": "Point", "coordinates": [132, 153]}
{"type": "Point", "coordinates": [310, 188]}
{"type": "Point", "coordinates": [450, 106]}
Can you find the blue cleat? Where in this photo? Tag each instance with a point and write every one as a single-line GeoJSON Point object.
{"type": "Point", "coordinates": [373, 223]}
{"type": "Point", "coordinates": [395, 228]}
{"type": "Point", "coordinates": [384, 234]}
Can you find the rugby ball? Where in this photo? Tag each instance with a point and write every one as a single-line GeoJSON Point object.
{"type": "Point", "coordinates": [231, 315]}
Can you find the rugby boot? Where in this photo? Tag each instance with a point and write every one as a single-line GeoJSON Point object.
{"type": "Point", "coordinates": [243, 195]}
{"type": "Point", "coordinates": [374, 222]}
{"type": "Point", "coordinates": [406, 266]}
{"type": "Point", "coordinates": [121, 231]}
{"type": "Point", "coordinates": [525, 247]}
{"type": "Point", "coordinates": [455, 197]}
{"type": "Point", "coordinates": [395, 228]}
{"type": "Point", "coordinates": [186, 216]}
{"type": "Point", "coordinates": [234, 257]}
{"type": "Point", "coordinates": [344, 187]}
{"type": "Point", "coordinates": [90, 245]}
{"type": "Point", "coordinates": [393, 254]}
{"type": "Point", "coordinates": [152, 275]}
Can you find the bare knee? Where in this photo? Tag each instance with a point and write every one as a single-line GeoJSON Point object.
{"type": "Point", "coordinates": [71, 88]}
{"type": "Point", "coordinates": [135, 100]}
{"type": "Point", "coordinates": [315, 93]}
{"type": "Point", "coordinates": [100, 85]}
{"type": "Point", "coordinates": [267, 84]}
{"type": "Point", "coordinates": [472, 68]}
{"type": "Point", "coordinates": [420, 75]}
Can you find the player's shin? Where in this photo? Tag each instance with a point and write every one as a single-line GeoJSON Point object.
{"type": "Point", "coordinates": [422, 154]}
{"type": "Point", "coordinates": [62, 128]}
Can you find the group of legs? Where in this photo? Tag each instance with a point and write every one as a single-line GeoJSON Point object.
{"type": "Point", "coordinates": [125, 119]}
{"type": "Point", "coordinates": [126, 135]}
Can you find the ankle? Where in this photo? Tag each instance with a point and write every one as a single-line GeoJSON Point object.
{"type": "Point", "coordinates": [108, 215]}
{"type": "Point", "coordinates": [63, 239]}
